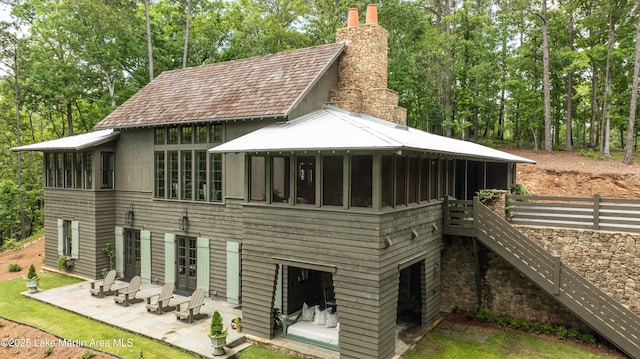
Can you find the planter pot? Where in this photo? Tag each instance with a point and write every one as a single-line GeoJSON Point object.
{"type": "Point", "coordinates": [32, 284]}
{"type": "Point", "coordinates": [218, 343]}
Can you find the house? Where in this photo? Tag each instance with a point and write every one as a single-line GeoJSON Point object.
{"type": "Point", "coordinates": [271, 182]}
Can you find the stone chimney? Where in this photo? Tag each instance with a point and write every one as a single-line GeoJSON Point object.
{"type": "Point", "coordinates": [362, 70]}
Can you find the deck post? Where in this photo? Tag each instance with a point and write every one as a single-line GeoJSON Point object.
{"type": "Point", "coordinates": [596, 211]}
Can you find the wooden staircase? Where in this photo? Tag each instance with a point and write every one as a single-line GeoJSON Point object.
{"type": "Point", "coordinates": [602, 313]}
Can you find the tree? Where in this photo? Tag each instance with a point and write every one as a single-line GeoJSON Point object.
{"type": "Point", "coordinates": [569, 126]}
{"type": "Point", "coordinates": [548, 148]}
{"type": "Point", "coordinates": [149, 45]}
{"type": "Point", "coordinates": [628, 158]}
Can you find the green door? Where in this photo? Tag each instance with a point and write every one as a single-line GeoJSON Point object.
{"type": "Point", "coordinates": [186, 262]}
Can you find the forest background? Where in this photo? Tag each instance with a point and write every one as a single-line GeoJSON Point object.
{"type": "Point", "coordinates": [553, 73]}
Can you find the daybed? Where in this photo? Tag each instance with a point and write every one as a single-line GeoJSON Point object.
{"type": "Point", "coordinates": [312, 332]}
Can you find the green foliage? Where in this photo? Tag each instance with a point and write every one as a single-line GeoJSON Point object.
{"type": "Point", "coordinates": [216, 328]}
{"type": "Point", "coordinates": [589, 153]}
{"type": "Point", "coordinates": [111, 254]}
{"type": "Point", "coordinates": [48, 351]}
{"type": "Point", "coordinates": [574, 334]}
{"type": "Point", "coordinates": [547, 328]}
{"type": "Point", "coordinates": [486, 196]}
{"type": "Point", "coordinates": [62, 262]}
{"type": "Point", "coordinates": [87, 354]}
{"type": "Point", "coordinates": [32, 272]}
{"type": "Point", "coordinates": [588, 338]}
{"type": "Point", "coordinates": [521, 189]}
{"type": "Point", "coordinates": [457, 309]}
{"type": "Point", "coordinates": [14, 267]}
{"type": "Point", "coordinates": [561, 332]}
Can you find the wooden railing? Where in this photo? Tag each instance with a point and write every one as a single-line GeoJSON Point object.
{"type": "Point", "coordinates": [602, 313]}
{"type": "Point", "coordinates": [613, 214]}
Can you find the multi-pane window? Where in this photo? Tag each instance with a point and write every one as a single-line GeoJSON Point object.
{"type": "Point", "coordinates": [361, 181]}
{"type": "Point", "coordinates": [160, 185]}
{"type": "Point", "coordinates": [68, 170]}
{"type": "Point", "coordinates": [306, 186]}
{"type": "Point", "coordinates": [186, 171]}
{"type": "Point", "coordinates": [201, 175]}
{"type": "Point", "coordinates": [280, 178]}
{"type": "Point", "coordinates": [187, 175]}
{"type": "Point", "coordinates": [173, 173]}
{"type": "Point", "coordinates": [107, 166]}
{"type": "Point", "coordinates": [216, 177]}
{"type": "Point", "coordinates": [332, 180]}
{"type": "Point", "coordinates": [258, 181]}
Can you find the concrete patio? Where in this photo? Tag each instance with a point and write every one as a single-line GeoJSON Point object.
{"type": "Point", "coordinates": [189, 337]}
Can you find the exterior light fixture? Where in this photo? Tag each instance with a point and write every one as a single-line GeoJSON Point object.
{"type": "Point", "coordinates": [184, 221]}
{"type": "Point", "coordinates": [128, 217]}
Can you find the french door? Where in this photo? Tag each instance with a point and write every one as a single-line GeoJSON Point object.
{"type": "Point", "coordinates": [131, 253]}
{"type": "Point", "coordinates": [186, 264]}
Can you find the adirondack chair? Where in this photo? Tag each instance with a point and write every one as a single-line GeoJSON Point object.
{"type": "Point", "coordinates": [191, 311]}
{"type": "Point", "coordinates": [127, 295]}
{"type": "Point", "coordinates": [103, 287]}
{"type": "Point", "coordinates": [162, 303]}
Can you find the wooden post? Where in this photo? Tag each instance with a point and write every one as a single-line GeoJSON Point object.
{"type": "Point", "coordinates": [446, 211]}
{"type": "Point", "coordinates": [556, 275]}
{"type": "Point", "coordinates": [596, 211]}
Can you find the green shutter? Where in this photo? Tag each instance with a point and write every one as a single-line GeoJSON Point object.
{"type": "Point", "coordinates": [60, 237]}
{"type": "Point", "coordinates": [233, 272]}
{"type": "Point", "coordinates": [202, 260]}
{"type": "Point", "coordinates": [119, 234]}
{"type": "Point", "coordinates": [145, 256]}
{"type": "Point", "coordinates": [169, 258]}
{"type": "Point", "coordinates": [75, 239]}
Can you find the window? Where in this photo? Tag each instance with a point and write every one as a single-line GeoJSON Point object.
{"type": "Point", "coordinates": [186, 135]}
{"type": "Point", "coordinates": [258, 183]}
{"type": "Point", "coordinates": [106, 170]}
{"type": "Point", "coordinates": [173, 135]}
{"type": "Point", "coordinates": [88, 174]}
{"type": "Point", "coordinates": [361, 181]}
{"type": "Point", "coordinates": [332, 180]}
{"type": "Point", "coordinates": [51, 169]}
{"type": "Point", "coordinates": [280, 178]}
{"type": "Point", "coordinates": [387, 181]}
{"type": "Point", "coordinates": [413, 180]}
{"type": "Point", "coordinates": [216, 177]}
{"type": "Point", "coordinates": [66, 235]}
{"type": "Point", "coordinates": [160, 185]}
{"type": "Point", "coordinates": [68, 170]}
{"type": "Point", "coordinates": [216, 132]}
{"type": "Point", "coordinates": [424, 179]}
{"type": "Point", "coordinates": [77, 165]}
{"type": "Point", "coordinates": [59, 165]}
{"type": "Point", "coordinates": [201, 134]}
{"type": "Point", "coordinates": [173, 174]}
{"type": "Point", "coordinates": [400, 180]}
{"type": "Point", "coordinates": [159, 136]}
{"type": "Point", "coordinates": [306, 188]}
{"type": "Point", "coordinates": [433, 179]}
{"type": "Point", "coordinates": [187, 175]}
{"type": "Point", "coordinates": [201, 175]}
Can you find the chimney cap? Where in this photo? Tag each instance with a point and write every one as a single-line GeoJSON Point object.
{"type": "Point", "coordinates": [352, 18]}
{"type": "Point", "coordinates": [372, 14]}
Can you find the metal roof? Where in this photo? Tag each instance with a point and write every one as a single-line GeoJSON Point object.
{"type": "Point", "coordinates": [72, 143]}
{"type": "Point", "coordinates": [268, 86]}
{"type": "Point", "coordinates": [332, 128]}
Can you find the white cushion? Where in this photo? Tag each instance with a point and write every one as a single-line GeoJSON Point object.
{"type": "Point", "coordinates": [320, 316]}
{"type": "Point", "coordinates": [307, 313]}
{"type": "Point", "coordinates": [331, 319]}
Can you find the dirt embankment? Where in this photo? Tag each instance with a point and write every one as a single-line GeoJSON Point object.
{"type": "Point", "coordinates": [572, 175]}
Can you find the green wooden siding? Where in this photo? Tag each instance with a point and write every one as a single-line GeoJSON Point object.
{"type": "Point", "coordinates": [145, 256]}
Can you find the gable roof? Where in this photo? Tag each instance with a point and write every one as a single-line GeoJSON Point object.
{"type": "Point", "coordinates": [72, 143]}
{"type": "Point", "coordinates": [334, 129]}
{"type": "Point", "coordinates": [258, 87]}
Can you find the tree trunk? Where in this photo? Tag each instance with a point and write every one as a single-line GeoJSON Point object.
{"type": "Point", "coordinates": [628, 153]}
{"type": "Point", "coordinates": [186, 35]}
{"type": "Point", "coordinates": [149, 47]}
{"type": "Point", "coordinates": [569, 131]}
{"type": "Point", "coordinates": [594, 108]}
{"type": "Point", "coordinates": [548, 147]}
{"type": "Point", "coordinates": [19, 141]}
{"type": "Point", "coordinates": [69, 114]}
{"type": "Point", "coordinates": [606, 118]}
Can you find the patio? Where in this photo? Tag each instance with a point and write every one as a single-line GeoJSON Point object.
{"type": "Point", "coordinates": [189, 337]}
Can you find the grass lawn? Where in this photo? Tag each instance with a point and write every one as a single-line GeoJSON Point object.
{"type": "Point", "coordinates": [73, 326]}
{"type": "Point", "coordinates": [499, 344]}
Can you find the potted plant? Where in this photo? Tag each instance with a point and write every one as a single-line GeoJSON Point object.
{"type": "Point", "coordinates": [32, 279]}
{"type": "Point", "coordinates": [218, 334]}
{"type": "Point", "coordinates": [236, 324]}
{"type": "Point", "coordinates": [65, 262]}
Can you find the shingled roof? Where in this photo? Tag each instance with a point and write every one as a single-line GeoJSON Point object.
{"type": "Point", "coordinates": [257, 87]}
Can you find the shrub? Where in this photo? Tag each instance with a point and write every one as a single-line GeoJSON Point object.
{"type": "Point", "coordinates": [515, 323]}
{"type": "Point", "coordinates": [547, 329]}
{"type": "Point", "coordinates": [457, 309]}
{"type": "Point", "coordinates": [521, 189]}
{"type": "Point", "coordinates": [472, 313]}
{"type": "Point", "coordinates": [574, 334]}
{"type": "Point", "coordinates": [62, 262]}
{"type": "Point", "coordinates": [505, 321]}
{"type": "Point", "coordinates": [488, 195]}
{"type": "Point", "coordinates": [526, 325]}
{"type": "Point", "coordinates": [14, 267]}
{"type": "Point", "coordinates": [88, 354]}
{"type": "Point", "coordinates": [48, 351]}
{"type": "Point", "coordinates": [32, 272]}
{"type": "Point", "coordinates": [216, 329]}
{"type": "Point", "coordinates": [588, 338]}
{"type": "Point", "coordinates": [561, 332]}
